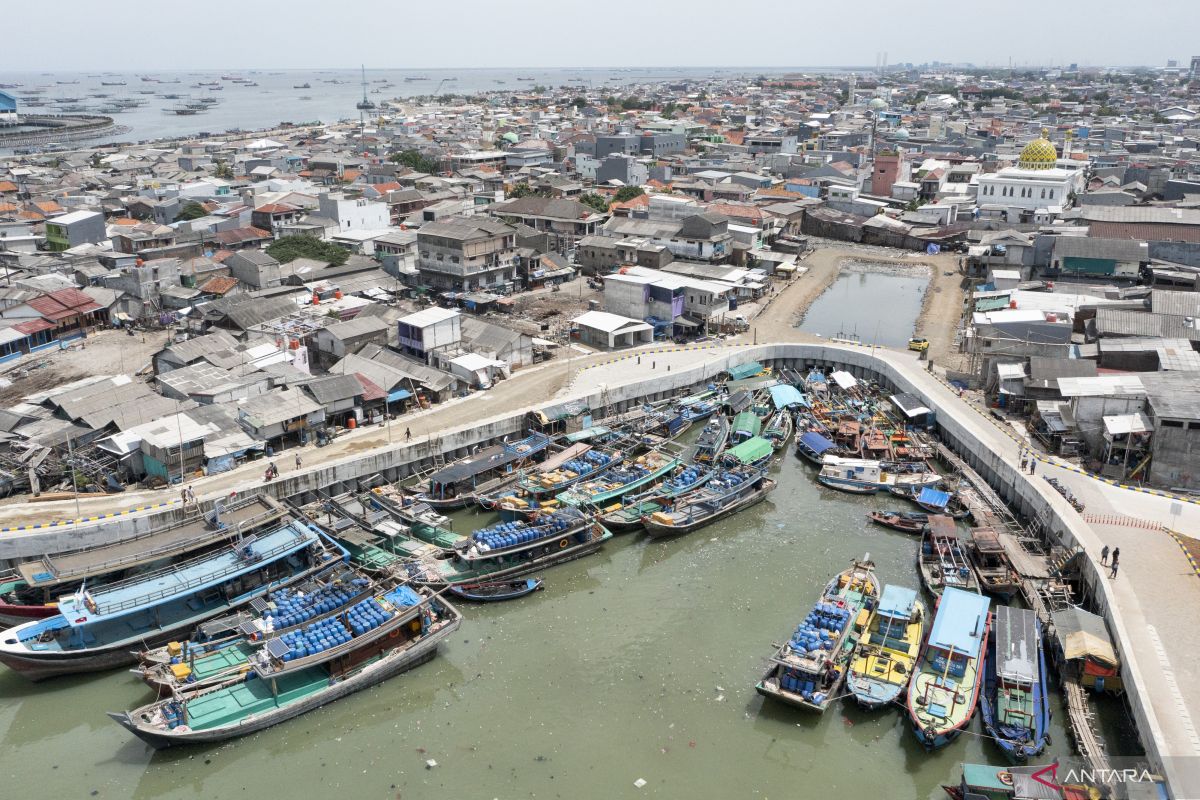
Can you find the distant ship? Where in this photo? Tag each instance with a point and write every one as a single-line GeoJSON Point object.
{"type": "Point", "coordinates": [417, 78]}
{"type": "Point", "coordinates": [302, 86]}
{"type": "Point", "coordinates": [364, 104]}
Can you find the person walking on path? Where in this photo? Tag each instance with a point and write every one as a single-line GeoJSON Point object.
{"type": "Point", "coordinates": [1032, 466]}
{"type": "Point", "coordinates": [1104, 556]}
{"type": "Point", "coordinates": [1116, 557]}
{"type": "Point", "coordinates": [299, 463]}
{"type": "Point", "coordinates": [407, 435]}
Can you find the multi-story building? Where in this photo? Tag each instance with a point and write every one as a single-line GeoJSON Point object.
{"type": "Point", "coordinates": [466, 253]}
{"type": "Point", "coordinates": [71, 230]}
{"type": "Point", "coordinates": [353, 214]}
{"type": "Point", "coordinates": [565, 220]}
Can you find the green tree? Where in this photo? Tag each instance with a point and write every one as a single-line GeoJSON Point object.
{"type": "Point", "coordinates": [414, 160]}
{"type": "Point", "coordinates": [579, 102]}
{"type": "Point", "coordinates": [223, 171]}
{"type": "Point", "coordinates": [627, 193]}
{"type": "Point", "coordinates": [191, 210]}
{"type": "Point", "coordinates": [289, 248]}
{"type": "Point", "coordinates": [595, 201]}
{"type": "Point", "coordinates": [519, 190]}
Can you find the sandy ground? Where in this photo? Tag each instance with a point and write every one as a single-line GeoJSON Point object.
{"type": "Point", "coordinates": [104, 352]}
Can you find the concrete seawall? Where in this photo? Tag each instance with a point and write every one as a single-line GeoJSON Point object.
{"type": "Point", "coordinates": [961, 427]}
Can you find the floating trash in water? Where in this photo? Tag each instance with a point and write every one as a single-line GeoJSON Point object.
{"type": "Point", "coordinates": [430, 764]}
{"type": "Point", "coordinates": [639, 783]}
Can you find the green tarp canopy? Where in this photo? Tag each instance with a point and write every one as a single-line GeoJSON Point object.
{"type": "Point", "coordinates": [745, 370]}
{"type": "Point", "coordinates": [747, 422]}
{"type": "Point", "coordinates": [751, 450]}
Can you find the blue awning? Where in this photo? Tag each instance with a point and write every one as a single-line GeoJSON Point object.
{"type": "Point", "coordinates": [934, 497]}
{"type": "Point", "coordinates": [815, 442]}
{"type": "Point", "coordinates": [784, 395]}
{"type": "Point", "coordinates": [399, 394]}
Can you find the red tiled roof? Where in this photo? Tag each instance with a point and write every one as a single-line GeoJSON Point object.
{"type": "Point", "coordinates": [48, 207]}
{"type": "Point", "coordinates": [384, 188]}
{"type": "Point", "coordinates": [219, 284]}
{"type": "Point", "coordinates": [7, 186]}
{"type": "Point", "coordinates": [239, 235]}
{"type": "Point", "coordinates": [6, 208]}
{"type": "Point", "coordinates": [63, 303]}
{"type": "Point", "coordinates": [734, 210]}
{"type": "Point", "coordinates": [277, 208]}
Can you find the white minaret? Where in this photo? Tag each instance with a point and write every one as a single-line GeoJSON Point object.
{"type": "Point", "coordinates": [853, 85]}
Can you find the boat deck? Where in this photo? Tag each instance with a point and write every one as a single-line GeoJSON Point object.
{"type": "Point", "coordinates": [50, 570]}
{"type": "Point", "coordinates": [221, 660]}
{"type": "Point", "coordinates": [229, 705]}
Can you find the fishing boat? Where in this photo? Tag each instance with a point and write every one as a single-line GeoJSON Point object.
{"type": "Point", "coordinates": [934, 500]}
{"type": "Point", "coordinates": [989, 782]}
{"type": "Point", "coordinates": [944, 690]}
{"type": "Point", "coordinates": [941, 560]}
{"type": "Point", "coordinates": [887, 652]}
{"type": "Point", "coordinates": [457, 485]}
{"type": "Point", "coordinates": [586, 464]}
{"type": "Point", "coordinates": [1016, 704]}
{"type": "Point", "coordinates": [726, 493]}
{"type": "Point", "coordinates": [867, 476]}
{"type": "Point", "coordinates": [779, 428]}
{"type": "Point", "coordinates": [220, 646]}
{"type": "Point", "coordinates": [382, 637]}
{"type": "Point", "coordinates": [99, 628]}
{"type": "Point", "coordinates": [990, 560]}
{"type": "Point", "coordinates": [903, 521]}
{"type": "Point", "coordinates": [304, 85]}
{"type": "Point", "coordinates": [629, 478]}
{"type": "Point", "coordinates": [30, 591]}
{"type": "Point", "coordinates": [627, 516]}
{"type": "Point", "coordinates": [746, 425]}
{"type": "Point", "coordinates": [808, 670]}
{"type": "Point", "coordinates": [712, 439]}
{"type": "Point", "coordinates": [813, 447]}
{"type": "Point", "coordinates": [697, 410]}
{"type": "Point", "coordinates": [508, 550]}
{"type": "Point", "coordinates": [496, 591]}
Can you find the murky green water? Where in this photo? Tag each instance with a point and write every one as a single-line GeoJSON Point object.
{"type": "Point", "coordinates": [638, 662]}
{"type": "Point", "coordinates": [877, 304]}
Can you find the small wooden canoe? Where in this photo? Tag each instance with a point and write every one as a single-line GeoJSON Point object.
{"type": "Point", "coordinates": [899, 520]}
{"type": "Point", "coordinates": [496, 591]}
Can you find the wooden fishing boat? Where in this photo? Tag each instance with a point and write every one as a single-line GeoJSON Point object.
{"type": "Point", "coordinates": [945, 688]}
{"type": "Point", "coordinates": [630, 478]}
{"type": "Point", "coordinates": [756, 452]}
{"type": "Point", "coordinates": [905, 522]}
{"type": "Point", "coordinates": [813, 447]}
{"type": "Point", "coordinates": [100, 629]}
{"type": "Point", "coordinates": [626, 517]}
{"type": "Point", "coordinates": [779, 428]}
{"type": "Point", "coordinates": [508, 550]}
{"type": "Point", "coordinates": [30, 592]}
{"type": "Point", "coordinates": [1015, 704]}
{"type": "Point", "coordinates": [941, 560]}
{"type": "Point", "coordinates": [746, 425]}
{"type": "Point", "coordinates": [290, 679]}
{"type": "Point", "coordinates": [934, 501]}
{"type": "Point", "coordinates": [496, 591]}
{"type": "Point", "coordinates": [990, 782]}
{"type": "Point", "coordinates": [712, 439]}
{"type": "Point", "coordinates": [991, 564]}
{"type": "Point", "coordinates": [218, 648]}
{"type": "Point", "coordinates": [497, 466]}
{"type": "Point", "coordinates": [567, 472]}
{"type": "Point", "coordinates": [728, 492]}
{"type": "Point", "coordinates": [866, 476]}
{"type": "Point", "coordinates": [887, 652]}
{"type": "Point", "coordinates": [808, 670]}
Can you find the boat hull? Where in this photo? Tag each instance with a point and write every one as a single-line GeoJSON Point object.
{"type": "Point", "coordinates": [657, 530]}
{"type": "Point", "coordinates": [13, 615]}
{"type": "Point", "coordinates": [386, 667]}
{"type": "Point", "coordinates": [517, 570]}
{"type": "Point", "coordinates": [519, 589]}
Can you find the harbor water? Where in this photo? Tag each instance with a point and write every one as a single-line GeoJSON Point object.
{"type": "Point", "coordinates": [873, 303]}
{"type": "Point", "coordinates": [635, 663]}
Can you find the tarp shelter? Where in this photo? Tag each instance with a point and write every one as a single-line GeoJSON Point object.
{"type": "Point", "coordinates": [844, 380]}
{"type": "Point", "coordinates": [748, 370]}
{"type": "Point", "coordinates": [815, 442]}
{"type": "Point", "coordinates": [784, 396]}
{"type": "Point", "coordinates": [934, 497]}
{"type": "Point", "coordinates": [1083, 638]}
{"type": "Point", "coordinates": [751, 451]}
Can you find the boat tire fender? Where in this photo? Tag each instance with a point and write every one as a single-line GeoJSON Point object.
{"type": "Point", "coordinates": [562, 544]}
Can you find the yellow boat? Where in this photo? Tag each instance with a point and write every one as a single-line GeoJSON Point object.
{"type": "Point", "coordinates": [885, 656]}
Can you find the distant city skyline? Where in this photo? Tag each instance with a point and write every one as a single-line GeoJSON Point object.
{"type": "Point", "coordinates": [541, 34]}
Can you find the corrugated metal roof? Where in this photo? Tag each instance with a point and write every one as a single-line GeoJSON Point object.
{"type": "Point", "coordinates": [1184, 304]}
{"type": "Point", "coordinates": [1089, 247]}
{"type": "Point", "coordinates": [1102, 386]}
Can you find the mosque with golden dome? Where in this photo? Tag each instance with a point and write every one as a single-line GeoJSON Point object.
{"type": "Point", "coordinates": [1037, 189]}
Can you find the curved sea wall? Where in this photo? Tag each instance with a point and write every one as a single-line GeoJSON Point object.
{"type": "Point", "coordinates": [960, 427]}
{"type": "Point", "coordinates": [57, 128]}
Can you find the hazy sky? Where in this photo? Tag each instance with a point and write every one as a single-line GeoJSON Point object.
{"type": "Point", "coordinates": [219, 34]}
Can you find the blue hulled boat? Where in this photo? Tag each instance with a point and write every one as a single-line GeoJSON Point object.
{"type": "Point", "coordinates": [1015, 702]}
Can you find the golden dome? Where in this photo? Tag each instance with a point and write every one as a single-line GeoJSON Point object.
{"type": "Point", "coordinates": [1039, 154]}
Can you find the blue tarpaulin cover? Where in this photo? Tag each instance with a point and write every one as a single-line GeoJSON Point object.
{"type": "Point", "coordinates": [816, 442]}
{"type": "Point", "coordinates": [934, 497]}
{"type": "Point", "coordinates": [784, 395]}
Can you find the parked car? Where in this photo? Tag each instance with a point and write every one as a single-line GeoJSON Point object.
{"type": "Point", "coordinates": [919, 344]}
